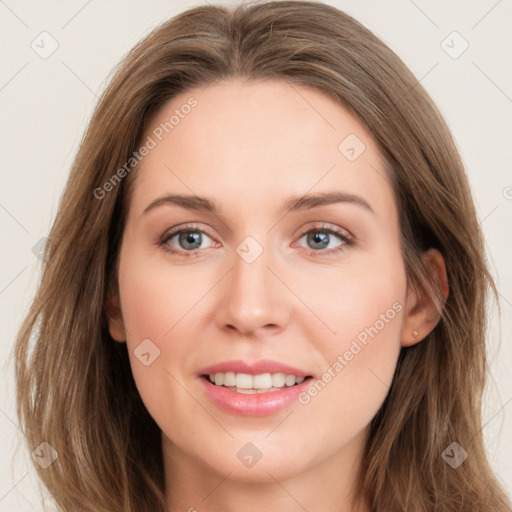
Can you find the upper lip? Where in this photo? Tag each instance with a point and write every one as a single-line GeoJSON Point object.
{"type": "Point", "coordinates": [254, 368]}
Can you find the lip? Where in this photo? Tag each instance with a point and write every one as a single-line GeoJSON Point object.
{"type": "Point", "coordinates": [255, 368]}
{"type": "Point", "coordinates": [258, 404]}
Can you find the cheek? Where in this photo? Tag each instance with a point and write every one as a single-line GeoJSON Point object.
{"type": "Point", "coordinates": [147, 298]}
{"type": "Point", "coordinates": [158, 301]}
{"type": "Point", "coordinates": [152, 304]}
{"type": "Point", "coordinates": [363, 302]}
{"type": "Point", "coordinates": [360, 358]}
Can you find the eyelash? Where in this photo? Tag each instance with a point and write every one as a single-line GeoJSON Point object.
{"type": "Point", "coordinates": [345, 237]}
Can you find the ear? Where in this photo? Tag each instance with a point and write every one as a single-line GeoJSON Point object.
{"type": "Point", "coordinates": [421, 313]}
{"type": "Point", "coordinates": [115, 317]}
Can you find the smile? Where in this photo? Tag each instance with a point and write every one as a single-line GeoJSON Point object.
{"type": "Point", "coordinates": [251, 384]}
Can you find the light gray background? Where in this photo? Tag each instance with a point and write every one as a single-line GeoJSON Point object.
{"type": "Point", "coordinates": [46, 103]}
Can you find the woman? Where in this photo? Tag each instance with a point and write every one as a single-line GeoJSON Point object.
{"type": "Point", "coordinates": [320, 345]}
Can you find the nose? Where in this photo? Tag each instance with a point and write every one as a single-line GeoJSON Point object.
{"type": "Point", "coordinates": [255, 300]}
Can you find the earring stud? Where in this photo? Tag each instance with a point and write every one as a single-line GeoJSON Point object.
{"type": "Point", "coordinates": [415, 333]}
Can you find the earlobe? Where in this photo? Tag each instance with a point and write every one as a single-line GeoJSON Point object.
{"type": "Point", "coordinates": [421, 311]}
{"type": "Point", "coordinates": [115, 317]}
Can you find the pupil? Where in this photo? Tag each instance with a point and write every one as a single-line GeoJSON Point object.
{"type": "Point", "coordinates": [321, 238]}
{"type": "Point", "coordinates": [191, 238]}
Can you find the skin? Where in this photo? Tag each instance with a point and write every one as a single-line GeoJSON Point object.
{"type": "Point", "coordinates": [248, 147]}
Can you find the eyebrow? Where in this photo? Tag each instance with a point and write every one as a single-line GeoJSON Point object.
{"type": "Point", "coordinates": [295, 203]}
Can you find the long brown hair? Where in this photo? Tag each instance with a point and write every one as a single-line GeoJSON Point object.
{"type": "Point", "coordinates": [75, 389]}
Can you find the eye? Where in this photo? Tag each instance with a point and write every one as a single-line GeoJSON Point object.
{"type": "Point", "coordinates": [188, 240]}
{"type": "Point", "coordinates": [322, 239]}
{"type": "Point", "coordinates": [185, 241]}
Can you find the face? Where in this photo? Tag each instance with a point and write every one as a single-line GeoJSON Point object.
{"type": "Point", "coordinates": [285, 283]}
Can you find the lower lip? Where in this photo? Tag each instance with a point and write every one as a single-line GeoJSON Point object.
{"type": "Point", "coordinates": [257, 404]}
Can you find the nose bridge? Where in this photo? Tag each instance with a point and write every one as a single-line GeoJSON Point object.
{"type": "Point", "coordinates": [254, 296]}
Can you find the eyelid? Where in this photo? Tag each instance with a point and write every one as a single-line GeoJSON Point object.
{"type": "Point", "coordinates": [326, 226]}
{"type": "Point", "coordinates": [170, 233]}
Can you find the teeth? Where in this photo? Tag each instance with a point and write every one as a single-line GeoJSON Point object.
{"type": "Point", "coordinates": [263, 381]}
{"type": "Point", "coordinates": [242, 380]}
{"type": "Point", "coordinates": [229, 379]}
{"type": "Point", "coordinates": [246, 383]}
{"type": "Point", "coordinates": [279, 380]}
{"type": "Point", "coordinates": [289, 380]}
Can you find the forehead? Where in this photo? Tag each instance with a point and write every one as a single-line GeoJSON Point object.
{"type": "Point", "coordinates": [255, 143]}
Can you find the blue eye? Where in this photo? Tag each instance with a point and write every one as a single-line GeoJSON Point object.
{"type": "Point", "coordinates": [319, 240]}
{"type": "Point", "coordinates": [189, 240]}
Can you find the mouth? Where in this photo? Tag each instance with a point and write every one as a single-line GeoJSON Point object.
{"type": "Point", "coordinates": [253, 388]}
{"type": "Point", "coordinates": [248, 384]}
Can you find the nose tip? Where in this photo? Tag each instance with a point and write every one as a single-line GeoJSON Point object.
{"type": "Point", "coordinates": [249, 329]}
